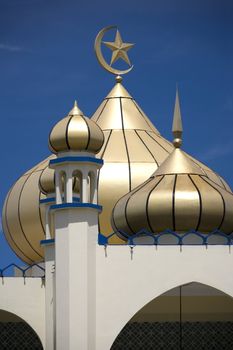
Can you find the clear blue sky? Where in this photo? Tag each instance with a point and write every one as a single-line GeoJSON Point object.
{"type": "Point", "coordinates": [47, 61]}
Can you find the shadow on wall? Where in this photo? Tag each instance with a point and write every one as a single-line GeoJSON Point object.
{"type": "Point", "coordinates": [16, 334]}
{"type": "Point", "coordinates": [192, 316]}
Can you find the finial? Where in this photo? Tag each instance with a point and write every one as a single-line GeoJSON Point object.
{"type": "Point", "coordinates": [75, 110]}
{"type": "Point", "coordinates": [119, 79]}
{"type": "Point", "coordinates": [119, 51]}
{"type": "Point", "coordinates": [177, 127]}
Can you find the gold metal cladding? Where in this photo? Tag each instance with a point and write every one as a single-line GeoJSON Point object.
{"type": "Point", "coordinates": [117, 176]}
{"type": "Point", "coordinates": [227, 222]}
{"type": "Point", "coordinates": [178, 195]}
{"type": "Point", "coordinates": [9, 236]}
{"type": "Point", "coordinates": [178, 163]}
{"type": "Point", "coordinates": [211, 174]}
{"type": "Point", "coordinates": [76, 132]}
{"type": "Point", "coordinates": [76, 110]}
{"type": "Point", "coordinates": [47, 181]}
{"type": "Point", "coordinates": [57, 138]}
{"type": "Point", "coordinates": [30, 215]}
{"type": "Point", "coordinates": [120, 111]}
{"type": "Point", "coordinates": [26, 241]}
{"type": "Point", "coordinates": [96, 138]}
{"type": "Point", "coordinates": [187, 204]}
{"type": "Point", "coordinates": [212, 210]}
{"type": "Point", "coordinates": [119, 51]}
{"type": "Point", "coordinates": [178, 202]}
{"type": "Point", "coordinates": [160, 204]}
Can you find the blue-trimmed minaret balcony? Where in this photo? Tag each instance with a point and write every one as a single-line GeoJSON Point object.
{"type": "Point", "coordinates": [76, 140]}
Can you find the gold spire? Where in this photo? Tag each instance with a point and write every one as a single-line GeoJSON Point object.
{"type": "Point", "coordinates": [75, 110]}
{"type": "Point", "coordinates": [178, 162]}
{"type": "Point", "coordinates": [177, 127]}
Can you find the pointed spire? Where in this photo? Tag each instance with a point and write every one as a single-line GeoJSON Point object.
{"type": "Point", "coordinates": [75, 110]}
{"type": "Point", "coordinates": [177, 127]}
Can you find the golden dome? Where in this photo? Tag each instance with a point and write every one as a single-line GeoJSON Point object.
{"type": "Point", "coordinates": [47, 181]}
{"type": "Point", "coordinates": [133, 149]}
{"type": "Point", "coordinates": [76, 133]}
{"type": "Point", "coordinates": [178, 196]}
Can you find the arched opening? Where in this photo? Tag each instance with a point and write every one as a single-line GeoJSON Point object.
{"type": "Point", "coordinates": [77, 184]}
{"type": "Point", "coordinates": [16, 334]}
{"type": "Point", "coordinates": [192, 316]}
{"type": "Point", "coordinates": [60, 187]}
{"type": "Point", "coordinates": [92, 185]}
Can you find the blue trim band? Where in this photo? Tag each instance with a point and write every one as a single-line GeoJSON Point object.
{"type": "Point", "coordinates": [53, 199]}
{"type": "Point", "coordinates": [76, 205]}
{"type": "Point", "coordinates": [47, 241]}
{"type": "Point", "coordinates": [76, 159]}
{"type": "Point", "coordinates": [47, 200]}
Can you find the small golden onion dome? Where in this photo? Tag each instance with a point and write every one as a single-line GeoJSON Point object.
{"type": "Point", "coordinates": [178, 196]}
{"type": "Point", "coordinates": [76, 133]}
{"type": "Point", "coordinates": [47, 181]}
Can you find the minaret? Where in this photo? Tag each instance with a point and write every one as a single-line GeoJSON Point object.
{"type": "Point", "coordinates": [75, 140]}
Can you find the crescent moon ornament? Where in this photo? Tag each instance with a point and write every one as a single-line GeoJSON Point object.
{"type": "Point", "coordinates": [119, 51]}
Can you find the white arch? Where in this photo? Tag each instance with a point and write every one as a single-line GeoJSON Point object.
{"type": "Point", "coordinates": [125, 285]}
{"type": "Point", "coordinates": [25, 297]}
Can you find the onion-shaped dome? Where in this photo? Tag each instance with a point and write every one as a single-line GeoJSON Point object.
{"type": "Point", "coordinates": [76, 133]}
{"type": "Point", "coordinates": [133, 149]}
{"type": "Point", "coordinates": [47, 181]}
{"type": "Point", "coordinates": [178, 196]}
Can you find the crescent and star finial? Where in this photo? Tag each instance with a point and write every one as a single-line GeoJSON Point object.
{"type": "Point", "coordinates": [119, 51]}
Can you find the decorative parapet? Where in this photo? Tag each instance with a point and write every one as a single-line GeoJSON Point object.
{"type": "Point", "coordinates": [14, 270]}
{"type": "Point", "coordinates": [169, 237]}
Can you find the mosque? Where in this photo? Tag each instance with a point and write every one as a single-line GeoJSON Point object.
{"type": "Point", "coordinates": [127, 238]}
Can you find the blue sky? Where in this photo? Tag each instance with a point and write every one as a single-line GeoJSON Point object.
{"type": "Point", "coordinates": [47, 61]}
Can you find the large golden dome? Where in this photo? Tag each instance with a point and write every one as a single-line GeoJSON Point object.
{"type": "Point", "coordinates": [178, 197]}
{"type": "Point", "coordinates": [132, 151]}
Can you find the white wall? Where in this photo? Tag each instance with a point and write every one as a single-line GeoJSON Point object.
{"type": "Point", "coordinates": [126, 283]}
{"type": "Point", "coordinates": [25, 297]}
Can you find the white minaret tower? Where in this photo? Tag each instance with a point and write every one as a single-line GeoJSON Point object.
{"type": "Point", "coordinates": [74, 222]}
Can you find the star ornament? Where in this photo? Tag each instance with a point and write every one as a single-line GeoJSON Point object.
{"type": "Point", "coordinates": [119, 49]}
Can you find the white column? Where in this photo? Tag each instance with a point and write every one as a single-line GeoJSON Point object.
{"type": "Point", "coordinates": [69, 186]}
{"type": "Point", "coordinates": [85, 187]}
{"type": "Point", "coordinates": [49, 297]}
{"type": "Point", "coordinates": [95, 197]}
{"type": "Point", "coordinates": [75, 254]}
{"type": "Point", "coordinates": [49, 253]}
{"type": "Point", "coordinates": [58, 187]}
